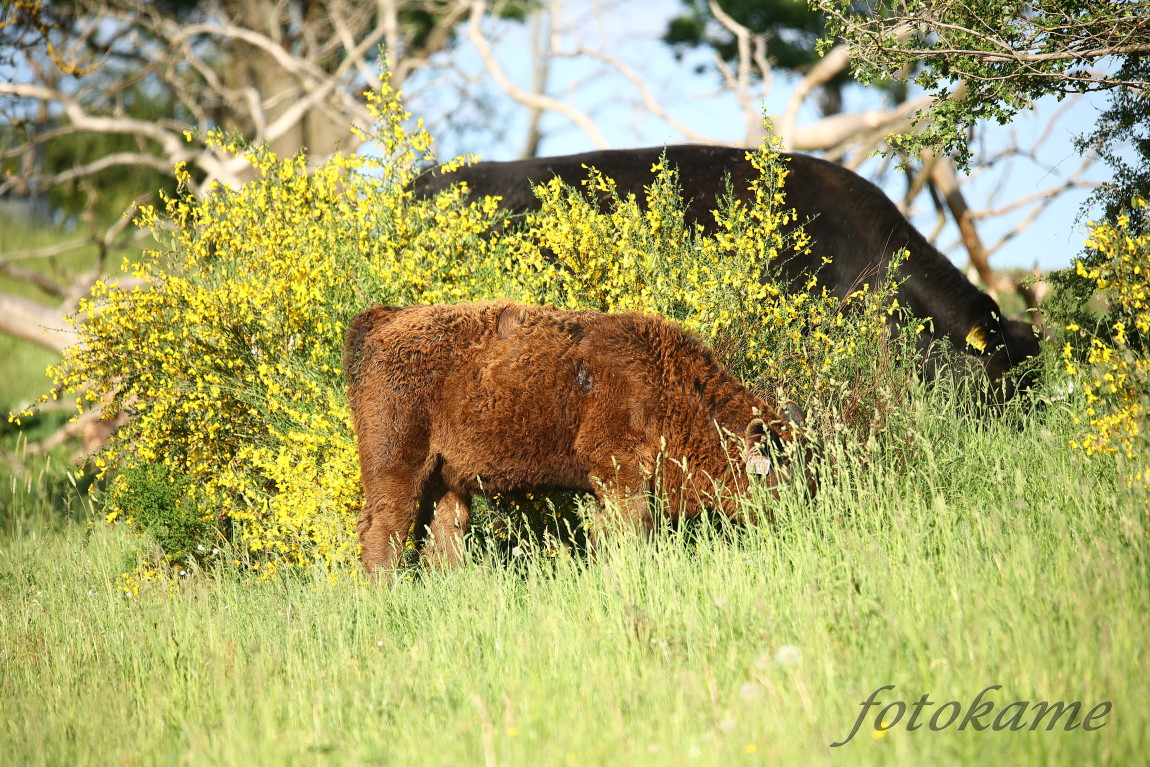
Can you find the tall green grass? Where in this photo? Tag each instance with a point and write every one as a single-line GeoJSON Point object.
{"type": "Point", "coordinates": [951, 554]}
{"type": "Point", "coordinates": [36, 492]}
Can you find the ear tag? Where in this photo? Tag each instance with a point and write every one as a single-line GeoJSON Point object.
{"type": "Point", "coordinates": [977, 338]}
{"type": "Point", "coordinates": [759, 464]}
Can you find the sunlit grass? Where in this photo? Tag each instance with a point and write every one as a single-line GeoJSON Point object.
{"type": "Point", "coordinates": [949, 556]}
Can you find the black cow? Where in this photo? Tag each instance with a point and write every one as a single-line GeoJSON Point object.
{"type": "Point", "coordinates": [851, 222]}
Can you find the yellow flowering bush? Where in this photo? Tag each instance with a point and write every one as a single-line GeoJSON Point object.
{"type": "Point", "coordinates": [1105, 351]}
{"type": "Point", "coordinates": [225, 348]}
{"type": "Point", "coordinates": [636, 257]}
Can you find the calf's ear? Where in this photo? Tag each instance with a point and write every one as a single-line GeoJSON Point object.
{"type": "Point", "coordinates": [759, 439]}
{"type": "Point", "coordinates": [790, 421]}
{"type": "Point", "coordinates": [758, 448]}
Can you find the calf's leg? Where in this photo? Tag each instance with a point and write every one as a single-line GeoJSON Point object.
{"type": "Point", "coordinates": [391, 491]}
{"type": "Point", "coordinates": [449, 521]}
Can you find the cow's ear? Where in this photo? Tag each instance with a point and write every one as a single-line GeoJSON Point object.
{"type": "Point", "coordinates": [983, 339]}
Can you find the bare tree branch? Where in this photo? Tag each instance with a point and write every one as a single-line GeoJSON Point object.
{"type": "Point", "coordinates": [31, 276]}
{"type": "Point", "coordinates": [285, 72]}
{"type": "Point", "coordinates": [943, 174]}
{"type": "Point", "coordinates": [125, 159]}
{"type": "Point", "coordinates": [437, 40]}
{"type": "Point", "coordinates": [831, 132]}
{"type": "Point", "coordinates": [650, 103]}
{"type": "Point", "coordinates": [751, 50]}
{"type": "Point", "coordinates": [837, 60]}
{"type": "Point", "coordinates": [483, 47]}
{"type": "Point", "coordinates": [540, 71]}
{"type": "Point", "coordinates": [31, 321]}
{"type": "Point", "coordinates": [52, 251]}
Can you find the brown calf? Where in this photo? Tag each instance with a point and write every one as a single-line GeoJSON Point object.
{"type": "Point", "coordinates": [455, 401]}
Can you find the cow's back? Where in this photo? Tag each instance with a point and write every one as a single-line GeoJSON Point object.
{"type": "Point", "coordinates": [854, 228]}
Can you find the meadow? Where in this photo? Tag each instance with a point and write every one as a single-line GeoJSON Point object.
{"type": "Point", "coordinates": [950, 554]}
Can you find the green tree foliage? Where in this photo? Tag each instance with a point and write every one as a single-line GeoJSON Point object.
{"type": "Point", "coordinates": [791, 27]}
{"type": "Point", "coordinates": [1121, 137]}
{"type": "Point", "coordinates": [988, 59]}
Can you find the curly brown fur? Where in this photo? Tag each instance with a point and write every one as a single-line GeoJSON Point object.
{"type": "Point", "coordinates": [455, 401]}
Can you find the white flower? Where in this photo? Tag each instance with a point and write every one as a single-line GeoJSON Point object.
{"type": "Point", "coordinates": [788, 656]}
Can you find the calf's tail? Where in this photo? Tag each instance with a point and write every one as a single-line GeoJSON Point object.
{"type": "Point", "coordinates": [360, 325]}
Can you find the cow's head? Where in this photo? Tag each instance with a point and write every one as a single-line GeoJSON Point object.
{"type": "Point", "coordinates": [1006, 350]}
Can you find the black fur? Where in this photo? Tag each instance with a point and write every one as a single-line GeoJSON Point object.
{"type": "Point", "coordinates": [850, 221]}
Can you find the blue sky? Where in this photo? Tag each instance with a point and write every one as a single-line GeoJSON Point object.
{"type": "Point", "coordinates": [630, 30]}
